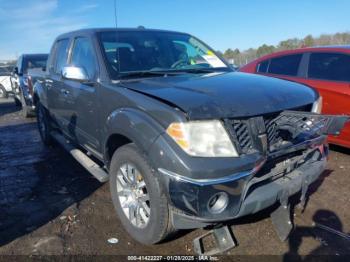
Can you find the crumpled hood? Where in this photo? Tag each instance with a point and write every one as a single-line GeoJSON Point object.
{"type": "Point", "coordinates": [225, 95]}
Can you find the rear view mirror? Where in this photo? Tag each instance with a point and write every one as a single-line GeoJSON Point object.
{"type": "Point", "coordinates": [75, 73]}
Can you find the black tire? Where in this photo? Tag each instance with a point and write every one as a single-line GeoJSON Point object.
{"type": "Point", "coordinates": [17, 101]}
{"type": "Point", "coordinates": [44, 124]}
{"type": "Point", "coordinates": [159, 225]}
{"type": "Point", "coordinates": [3, 92]}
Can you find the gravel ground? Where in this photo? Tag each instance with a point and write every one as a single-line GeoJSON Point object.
{"type": "Point", "coordinates": [49, 205]}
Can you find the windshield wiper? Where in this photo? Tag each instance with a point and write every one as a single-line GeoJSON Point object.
{"type": "Point", "coordinates": [145, 74]}
{"type": "Point", "coordinates": [150, 73]}
{"type": "Point", "coordinates": [202, 70]}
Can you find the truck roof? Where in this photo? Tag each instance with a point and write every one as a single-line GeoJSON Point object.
{"type": "Point", "coordinates": [96, 30]}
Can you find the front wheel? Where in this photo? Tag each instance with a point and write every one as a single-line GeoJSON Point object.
{"type": "Point", "coordinates": [138, 197]}
{"type": "Point", "coordinates": [44, 125]}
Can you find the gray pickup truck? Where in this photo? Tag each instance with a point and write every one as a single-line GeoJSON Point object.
{"type": "Point", "coordinates": [22, 80]}
{"type": "Point", "coordinates": [184, 141]}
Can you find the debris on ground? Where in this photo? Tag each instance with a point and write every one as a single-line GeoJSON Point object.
{"type": "Point", "coordinates": [113, 240]}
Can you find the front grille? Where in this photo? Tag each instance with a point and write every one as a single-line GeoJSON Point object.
{"type": "Point", "coordinates": [243, 135]}
{"type": "Point", "coordinates": [271, 129]}
{"type": "Point", "coordinates": [281, 129]}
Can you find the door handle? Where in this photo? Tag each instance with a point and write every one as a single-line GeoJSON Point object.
{"type": "Point", "coordinates": [64, 92]}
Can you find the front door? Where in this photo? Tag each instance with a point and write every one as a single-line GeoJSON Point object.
{"type": "Point", "coordinates": [81, 101]}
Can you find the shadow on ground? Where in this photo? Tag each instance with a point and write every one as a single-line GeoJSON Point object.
{"type": "Point", "coordinates": [340, 149]}
{"type": "Point", "coordinates": [36, 184]}
{"type": "Point", "coordinates": [7, 107]}
{"type": "Point", "coordinates": [330, 242]}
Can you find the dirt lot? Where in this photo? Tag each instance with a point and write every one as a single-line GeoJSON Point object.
{"type": "Point", "coordinates": [50, 205]}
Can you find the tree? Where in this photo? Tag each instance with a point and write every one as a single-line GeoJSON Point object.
{"type": "Point", "coordinates": [289, 44]}
{"type": "Point", "coordinates": [219, 53]}
{"type": "Point", "coordinates": [309, 41]}
{"type": "Point", "coordinates": [264, 50]}
{"type": "Point", "coordinates": [229, 54]}
{"type": "Point", "coordinates": [241, 57]}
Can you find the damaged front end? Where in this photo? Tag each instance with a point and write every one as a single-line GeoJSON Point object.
{"type": "Point", "coordinates": [290, 150]}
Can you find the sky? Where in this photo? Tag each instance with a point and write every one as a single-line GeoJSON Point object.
{"type": "Point", "coordinates": [30, 26]}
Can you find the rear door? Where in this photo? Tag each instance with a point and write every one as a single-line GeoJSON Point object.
{"type": "Point", "coordinates": [81, 97]}
{"type": "Point", "coordinates": [53, 82]}
{"type": "Point", "coordinates": [329, 73]}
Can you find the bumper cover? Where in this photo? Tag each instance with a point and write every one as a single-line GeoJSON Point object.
{"type": "Point", "coordinates": [249, 183]}
{"type": "Point", "coordinates": [247, 192]}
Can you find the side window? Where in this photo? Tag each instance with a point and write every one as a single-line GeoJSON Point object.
{"type": "Point", "coordinates": [83, 56]}
{"type": "Point", "coordinates": [61, 55]}
{"type": "Point", "coordinates": [262, 67]}
{"type": "Point", "coordinates": [52, 58]}
{"type": "Point", "coordinates": [329, 66]}
{"type": "Point", "coordinates": [285, 65]}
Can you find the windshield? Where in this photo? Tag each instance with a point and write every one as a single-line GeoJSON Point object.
{"type": "Point", "coordinates": [34, 62]}
{"type": "Point", "coordinates": [137, 51]}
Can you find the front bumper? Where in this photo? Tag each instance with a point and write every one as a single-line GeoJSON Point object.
{"type": "Point", "coordinates": [247, 192]}
{"type": "Point", "coordinates": [277, 165]}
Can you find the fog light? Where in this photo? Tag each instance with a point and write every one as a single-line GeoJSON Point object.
{"type": "Point", "coordinates": [217, 203]}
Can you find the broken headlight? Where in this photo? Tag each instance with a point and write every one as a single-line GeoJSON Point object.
{"type": "Point", "coordinates": [202, 138]}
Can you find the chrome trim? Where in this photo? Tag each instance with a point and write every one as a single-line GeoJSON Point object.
{"type": "Point", "coordinates": [214, 181]}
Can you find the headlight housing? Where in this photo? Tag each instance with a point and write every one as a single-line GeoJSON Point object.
{"type": "Point", "coordinates": [317, 106]}
{"type": "Point", "coordinates": [202, 138]}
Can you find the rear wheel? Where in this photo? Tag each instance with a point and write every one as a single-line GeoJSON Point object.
{"type": "Point", "coordinates": [44, 125]}
{"type": "Point", "coordinates": [137, 195]}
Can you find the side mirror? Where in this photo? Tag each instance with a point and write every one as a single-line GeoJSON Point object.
{"type": "Point", "coordinates": [75, 73]}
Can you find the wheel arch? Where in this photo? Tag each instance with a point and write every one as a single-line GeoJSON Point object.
{"type": "Point", "coordinates": [129, 125]}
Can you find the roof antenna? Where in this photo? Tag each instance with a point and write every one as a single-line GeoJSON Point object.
{"type": "Point", "coordinates": [116, 34]}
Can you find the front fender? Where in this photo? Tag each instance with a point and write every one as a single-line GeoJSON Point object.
{"type": "Point", "coordinates": [134, 124]}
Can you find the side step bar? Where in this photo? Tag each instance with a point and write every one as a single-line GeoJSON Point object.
{"type": "Point", "coordinates": [82, 158]}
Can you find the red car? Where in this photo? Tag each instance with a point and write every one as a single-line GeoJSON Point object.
{"type": "Point", "coordinates": [326, 69]}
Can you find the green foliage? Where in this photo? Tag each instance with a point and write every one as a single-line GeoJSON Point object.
{"type": "Point", "coordinates": [240, 57]}
{"type": "Point", "coordinates": [264, 50]}
{"type": "Point", "coordinates": [309, 41]}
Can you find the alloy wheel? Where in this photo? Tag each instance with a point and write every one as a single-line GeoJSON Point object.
{"type": "Point", "coordinates": [133, 195]}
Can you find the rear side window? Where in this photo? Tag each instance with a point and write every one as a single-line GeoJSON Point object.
{"type": "Point", "coordinates": [285, 65]}
{"type": "Point", "coordinates": [61, 55]}
{"type": "Point", "coordinates": [329, 66]}
{"type": "Point", "coordinates": [83, 56]}
{"type": "Point", "coordinates": [262, 67]}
